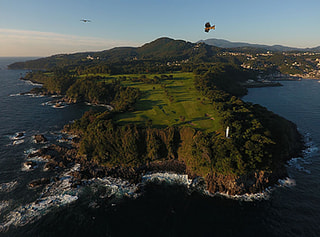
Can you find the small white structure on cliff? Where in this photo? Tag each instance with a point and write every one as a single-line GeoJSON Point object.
{"type": "Point", "coordinates": [227, 132]}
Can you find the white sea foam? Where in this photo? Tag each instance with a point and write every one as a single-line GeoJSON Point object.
{"type": "Point", "coordinates": [66, 138]}
{"type": "Point", "coordinates": [247, 197]}
{"type": "Point", "coordinates": [46, 103]}
{"type": "Point", "coordinates": [171, 178]}
{"type": "Point", "coordinates": [287, 182]}
{"type": "Point", "coordinates": [61, 193]}
{"type": "Point", "coordinates": [13, 95]}
{"type": "Point", "coordinates": [33, 95]}
{"type": "Point", "coordinates": [54, 195]}
{"type": "Point", "coordinates": [59, 107]}
{"type": "Point", "coordinates": [181, 179]}
{"type": "Point", "coordinates": [18, 136]}
{"type": "Point", "coordinates": [298, 163]}
{"type": "Point", "coordinates": [33, 211]}
{"type": "Point", "coordinates": [116, 187]}
{"type": "Point", "coordinates": [38, 160]}
{"type": "Point", "coordinates": [31, 151]}
{"type": "Point", "coordinates": [311, 148]}
{"type": "Point", "coordinates": [17, 142]}
{"type": "Point", "coordinates": [55, 105]}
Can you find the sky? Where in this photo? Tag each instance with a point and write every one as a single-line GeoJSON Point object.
{"type": "Point", "coordinates": [48, 27]}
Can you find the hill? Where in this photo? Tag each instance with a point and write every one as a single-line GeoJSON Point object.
{"type": "Point", "coordinates": [161, 49]}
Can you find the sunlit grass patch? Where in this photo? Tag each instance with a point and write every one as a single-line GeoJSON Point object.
{"type": "Point", "coordinates": [173, 101]}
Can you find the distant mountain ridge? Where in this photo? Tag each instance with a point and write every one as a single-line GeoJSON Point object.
{"type": "Point", "coordinates": [221, 43]}
{"type": "Point", "coordinates": [162, 49]}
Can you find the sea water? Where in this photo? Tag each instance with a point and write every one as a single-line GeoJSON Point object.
{"type": "Point", "coordinates": [292, 209]}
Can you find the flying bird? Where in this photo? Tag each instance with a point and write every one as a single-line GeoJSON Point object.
{"type": "Point", "coordinates": [208, 27]}
{"type": "Point", "coordinates": [85, 20]}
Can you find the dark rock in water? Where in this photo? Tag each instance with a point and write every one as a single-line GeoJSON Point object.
{"type": "Point", "coordinates": [57, 156]}
{"type": "Point", "coordinates": [19, 135]}
{"type": "Point", "coordinates": [30, 164]}
{"type": "Point", "coordinates": [39, 138]}
{"type": "Point", "coordinates": [58, 105]}
{"type": "Point", "coordinates": [51, 165]}
{"type": "Point", "coordinates": [76, 183]}
{"type": "Point", "coordinates": [40, 153]}
{"type": "Point", "coordinates": [249, 183]}
{"type": "Point", "coordinates": [38, 182]}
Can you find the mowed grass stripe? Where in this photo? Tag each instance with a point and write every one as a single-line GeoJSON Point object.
{"type": "Point", "coordinates": [178, 103]}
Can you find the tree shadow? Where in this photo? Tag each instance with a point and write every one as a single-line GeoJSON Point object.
{"type": "Point", "coordinates": [176, 88]}
{"type": "Point", "coordinates": [140, 106]}
{"type": "Point", "coordinates": [144, 105]}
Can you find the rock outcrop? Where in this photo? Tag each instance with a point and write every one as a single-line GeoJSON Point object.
{"type": "Point", "coordinates": [39, 182]}
{"type": "Point", "coordinates": [39, 138]}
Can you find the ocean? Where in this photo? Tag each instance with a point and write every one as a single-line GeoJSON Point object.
{"type": "Point", "coordinates": [292, 209]}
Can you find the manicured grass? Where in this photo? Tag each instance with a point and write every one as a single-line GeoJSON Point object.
{"type": "Point", "coordinates": [176, 103]}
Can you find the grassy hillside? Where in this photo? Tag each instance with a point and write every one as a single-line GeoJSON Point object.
{"type": "Point", "coordinates": [173, 102]}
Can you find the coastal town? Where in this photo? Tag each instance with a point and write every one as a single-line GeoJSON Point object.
{"type": "Point", "coordinates": [281, 66]}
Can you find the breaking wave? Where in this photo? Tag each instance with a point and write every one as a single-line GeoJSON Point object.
{"type": "Point", "coordinates": [66, 190]}
{"type": "Point", "coordinates": [181, 179]}
{"type": "Point", "coordinates": [61, 193]}
{"type": "Point", "coordinates": [300, 163]}
{"type": "Point", "coordinates": [287, 182]}
{"type": "Point", "coordinates": [171, 178]}
{"type": "Point", "coordinates": [247, 197]}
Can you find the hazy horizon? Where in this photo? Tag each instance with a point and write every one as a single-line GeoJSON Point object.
{"type": "Point", "coordinates": [43, 28]}
{"type": "Point", "coordinates": [98, 50]}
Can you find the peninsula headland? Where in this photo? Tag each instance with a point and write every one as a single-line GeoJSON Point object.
{"type": "Point", "coordinates": [170, 105]}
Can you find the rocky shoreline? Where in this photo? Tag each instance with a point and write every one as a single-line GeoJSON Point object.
{"type": "Point", "coordinates": [72, 175]}
{"type": "Point", "coordinates": [59, 101]}
{"type": "Point", "coordinates": [59, 157]}
{"type": "Point", "coordinates": [65, 155]}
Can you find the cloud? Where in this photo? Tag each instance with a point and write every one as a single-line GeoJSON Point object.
{"type": "Point", "coordinates": [35, 43]}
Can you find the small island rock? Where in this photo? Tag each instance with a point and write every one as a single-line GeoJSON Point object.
{"type": "Point", "coordinates": [39, 138]}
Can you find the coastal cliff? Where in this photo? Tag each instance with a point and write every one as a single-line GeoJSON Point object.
{"type": "Point", "coordinates": [251, 159]}
{"type": "Point", "coordinates": [181, 160]}
{"type": "Point", "coordinates": [130, 152]}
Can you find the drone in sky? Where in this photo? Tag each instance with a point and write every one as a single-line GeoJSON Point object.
{"type": "Point", "coordinates": [208, 27]}
{"type": "Point", "coordinates": [85, 20]}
